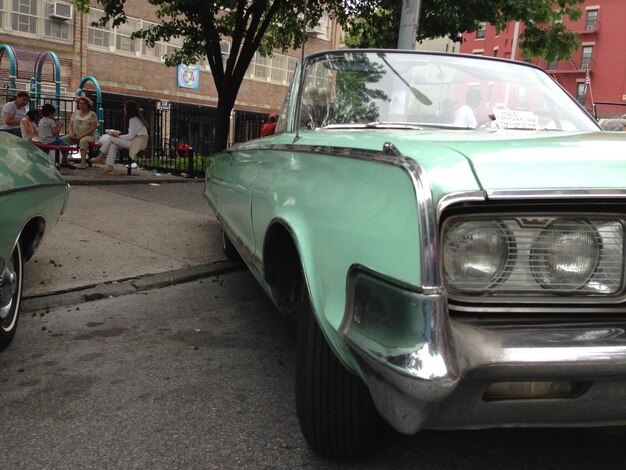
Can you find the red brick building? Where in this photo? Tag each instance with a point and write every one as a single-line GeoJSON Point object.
{"type": "Point", "coordinates": [602, 53]}
{"type": "Point", "coordinates": [129, 68]}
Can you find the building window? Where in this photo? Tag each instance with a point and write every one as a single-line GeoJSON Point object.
{"type": "Point", "coordinates": [24, 16]}
{"type": "Point", "coordinates": [585, 61]}
{"type": "Point", "coordinates": [225, 47]}
{"type": "Point", "coordinates": [495, 52]}
{"type": "Point", "coordinates": [99, 37]}
{"type": "Point", "coordinates": [481, 31]}
{"type": "Point", "coordinates": [30, 18]}
{"type": "Point", "coordinates": [592, 20]}
{"type": "Point", "coordinates": [553, 65]}
{"type": "Point", "coordinates": [123, 42]}
{"type": "Point", "coordinates": [261, 67]}
{"type": "Point", "coordinates": [56, 29]}
{"type": "Point", "coordinates": [581, 92]}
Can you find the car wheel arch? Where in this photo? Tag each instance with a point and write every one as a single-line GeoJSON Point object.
{"type": "Point", "coordinates": [283, 267]}
{"type": "Point", "coordinates": [31, 235]}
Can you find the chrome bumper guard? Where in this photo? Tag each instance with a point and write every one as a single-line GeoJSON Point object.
{"type": "Point", "coordinates": [427, 370]}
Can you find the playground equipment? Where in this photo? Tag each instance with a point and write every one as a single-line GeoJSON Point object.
{"type": "Point", "coordinates": [35, 82]}
{"type": "Point", "coordinates": [36, 99]}
{"type": "Point", "coordinates": [99, 110]}
{"type": "Point", "coordinates": [12, 66]}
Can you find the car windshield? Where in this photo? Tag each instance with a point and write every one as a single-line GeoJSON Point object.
{"type": "Point", "coordinates": [385, 89]}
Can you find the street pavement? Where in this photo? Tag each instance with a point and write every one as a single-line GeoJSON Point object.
{"type": "Point", "coordinates": [116, 237]}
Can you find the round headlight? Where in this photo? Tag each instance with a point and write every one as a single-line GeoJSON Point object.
{"type": "Point", "coordinates": [475, 254]}
{"type": "Point", "coordinates": [565, 255]}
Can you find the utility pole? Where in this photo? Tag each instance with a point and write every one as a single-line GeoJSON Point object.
{"type": "Point", "coordinates": [515, 39]}
{"type": "Point", "coordinates": [408, 24]}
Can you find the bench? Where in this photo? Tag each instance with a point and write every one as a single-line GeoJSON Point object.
{"type": "Point", "coordinates": [56, 148]}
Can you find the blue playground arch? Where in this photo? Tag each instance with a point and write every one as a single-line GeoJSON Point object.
{"type": "Point", "coordinates": [12, 65]}
{"type": "Point", "coordinates": [99, 110]}
{"type": "Point", "coordinates": [35, 82]}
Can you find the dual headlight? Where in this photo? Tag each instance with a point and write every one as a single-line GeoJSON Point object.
{"type": "Point", "coordinates": [531, 255]}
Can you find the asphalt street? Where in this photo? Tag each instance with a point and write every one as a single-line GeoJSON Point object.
{"type": "Point", "coordinates": [200, 375]}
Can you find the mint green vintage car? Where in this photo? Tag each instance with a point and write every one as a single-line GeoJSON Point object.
{"type": "Point", "coordinates": [33, 195]}
{"type": "Point", "coordinates": [449, 232]}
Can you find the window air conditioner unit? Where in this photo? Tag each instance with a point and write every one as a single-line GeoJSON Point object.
{"type": "Point", "coordinates": [62, 11]}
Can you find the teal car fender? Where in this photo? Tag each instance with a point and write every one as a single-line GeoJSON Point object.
{"type": "Point", "coordinates": [345, 208]}
{"type": "Point", "coordinates": [33, 195]}
{"type": "Point", "coordinates": [30, 188]}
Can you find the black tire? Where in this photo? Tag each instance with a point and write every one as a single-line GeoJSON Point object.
{"type": "Point", "coordinates": [10, 296]}
{"type": "Point", "coordinates": [335, 410]}
{"type": "Point", "coordinates": [229, 249]}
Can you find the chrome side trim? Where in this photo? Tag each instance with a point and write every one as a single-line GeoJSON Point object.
{"type": "Point", "coordinates": [458, 197]}
{"type": "Point", "coordinates": [347, 152]}
{"type": "Point", "coordinates": [429, 240]}
{"type": "Point", "coordinates": [33, 186]}
{"type": "Point", "coordinates": [499, 194]}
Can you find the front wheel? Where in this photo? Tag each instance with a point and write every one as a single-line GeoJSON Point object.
{"type": "Point", "coordinates": [335, 410]}
{"type": "Point", "coordinates": [10, 296]}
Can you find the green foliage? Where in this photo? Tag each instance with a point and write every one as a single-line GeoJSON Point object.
{"type": "Point", "coordinates": [544, 35]}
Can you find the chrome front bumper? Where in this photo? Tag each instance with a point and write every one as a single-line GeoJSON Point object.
{"type": "Point", "coordinates": [427, 370]}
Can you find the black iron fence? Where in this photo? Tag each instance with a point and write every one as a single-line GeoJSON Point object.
{"type": "Point", "coordinates": [182, 135]}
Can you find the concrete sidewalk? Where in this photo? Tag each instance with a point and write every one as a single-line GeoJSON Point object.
{"type": "Point", "coordinates": [93, 176]}
{"type": "Point", "coordinates": [118, 233]}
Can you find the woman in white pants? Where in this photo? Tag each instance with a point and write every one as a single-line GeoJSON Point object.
{"type": "Point", "coordinates": [134, 141]}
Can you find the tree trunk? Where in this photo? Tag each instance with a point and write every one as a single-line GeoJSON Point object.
{"type": "Point", "coordinates": [225, 104]}
{"type": "Point", "coordinates": [222, 127]}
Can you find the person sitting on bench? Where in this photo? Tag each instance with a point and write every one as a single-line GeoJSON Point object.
{"type": "Point", "coordinates": [49, 131]}
{"type": "Point", "coordinates": [134, 141]}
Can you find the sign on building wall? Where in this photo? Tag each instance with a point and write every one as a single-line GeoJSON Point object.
{"type": "Point", "coordinates": [188, 76]}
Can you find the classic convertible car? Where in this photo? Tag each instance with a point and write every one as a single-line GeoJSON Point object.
{"type": "Point", "coordinates": [449, 232]}
{"type": "Point", "coordinates": [33, 195]}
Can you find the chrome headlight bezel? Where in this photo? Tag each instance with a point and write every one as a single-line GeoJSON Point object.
{"type": "Point", "coordinates": [599, 273]}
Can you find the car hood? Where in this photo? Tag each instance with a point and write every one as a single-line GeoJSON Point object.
{"type": "Point", "coordinates": [461, 161]}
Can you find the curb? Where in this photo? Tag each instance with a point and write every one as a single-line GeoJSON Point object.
{"type": "Point", "coordinates": [127, 179]}
{"type": "Point", "coordinates": [129, 286]}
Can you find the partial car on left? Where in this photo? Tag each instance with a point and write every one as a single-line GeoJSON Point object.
{"type": "Point", "coordinates": [33, 195]}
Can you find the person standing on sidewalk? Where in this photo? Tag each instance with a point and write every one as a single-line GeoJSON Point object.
{"type": "Point", "coordinates": [134, 141]}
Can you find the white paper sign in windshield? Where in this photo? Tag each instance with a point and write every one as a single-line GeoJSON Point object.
{"type": "Point", "coordinates": [510, 119]}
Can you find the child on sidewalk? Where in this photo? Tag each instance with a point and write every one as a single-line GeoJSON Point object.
{"type": "Point", "coordinates": [49, 131]}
